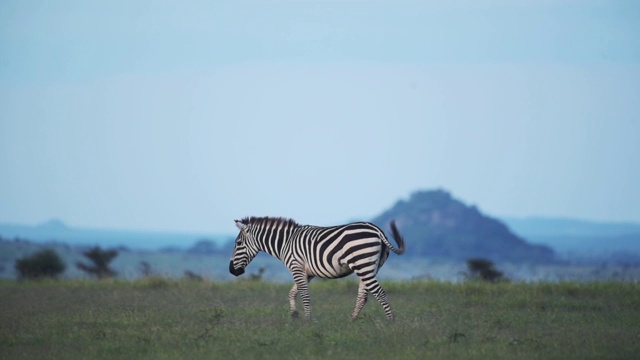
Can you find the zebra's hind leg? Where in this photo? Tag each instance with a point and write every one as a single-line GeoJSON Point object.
{"type": "Point", "coordinates": [368, 277]}
{"type": "Point", "coordinates": [361, 300]}
{"type": "Point", "coordinates": [381, 296]}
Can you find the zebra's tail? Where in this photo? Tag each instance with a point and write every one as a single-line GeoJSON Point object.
{"type": "Point", "coordinates": [398, 238]}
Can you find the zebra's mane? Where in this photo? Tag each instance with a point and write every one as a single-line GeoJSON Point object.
{"type": "Point", "coordinates": [268, 221]}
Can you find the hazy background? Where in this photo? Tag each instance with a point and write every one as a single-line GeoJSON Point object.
{"type": "Point", "coordinates": [175, 116]}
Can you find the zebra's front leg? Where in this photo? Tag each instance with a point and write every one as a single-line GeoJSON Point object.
{"type": "Point", "coordinates": [361, 300]}
{"type": "Point", "coordinates": [293, 293]}
{"type": "Point", "coordinates": [301, 287]}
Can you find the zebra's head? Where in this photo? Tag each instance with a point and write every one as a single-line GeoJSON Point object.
{"type": "Point", "coordinates": [244, 250]}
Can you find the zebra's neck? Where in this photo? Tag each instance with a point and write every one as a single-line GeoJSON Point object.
{"type": "Point", "coordinates": [270, 233]}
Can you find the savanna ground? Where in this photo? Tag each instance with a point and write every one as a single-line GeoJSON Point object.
{"type": "Point", "coordinates": [157, 318]}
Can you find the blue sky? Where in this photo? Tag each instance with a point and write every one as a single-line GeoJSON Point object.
{"type": "Point", "coordinates": [183, 116]}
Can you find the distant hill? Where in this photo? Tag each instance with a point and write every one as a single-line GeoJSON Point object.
{"type": "Point", "coordinates": [578, 236]}
{"type": "Point", "coordinates": [435, 224]}
{"type": "Point", "coordinates": [57, 231]}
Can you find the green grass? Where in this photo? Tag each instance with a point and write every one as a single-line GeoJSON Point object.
{"type": "Point", "coordinates": [166, 319]}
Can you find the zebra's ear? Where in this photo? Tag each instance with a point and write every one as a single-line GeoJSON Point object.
{"type": "Point", "coordinates": [240, 225]}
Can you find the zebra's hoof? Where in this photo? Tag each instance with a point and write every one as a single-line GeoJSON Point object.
{"type": "Point", "coordinates": [294, 314]}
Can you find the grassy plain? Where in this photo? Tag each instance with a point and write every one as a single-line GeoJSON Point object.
{"type": "Point", "coordinates": [157, 318]}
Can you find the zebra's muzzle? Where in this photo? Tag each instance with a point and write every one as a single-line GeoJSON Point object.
{"type": "Point", "coordinates": [234, 271]}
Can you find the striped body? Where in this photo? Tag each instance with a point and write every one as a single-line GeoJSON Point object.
{"type": "Point", "coordinates": [324, 252]}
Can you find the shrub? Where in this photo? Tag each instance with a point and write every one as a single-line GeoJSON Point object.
{"type": "Point", "coordinates": [188, 274]}
{"type": "Point", "coordinates": [483, 269]}
{"type": "Point", "coordinates": [257, 276]}
{"type": "Point", "coordinates": [43, 264]}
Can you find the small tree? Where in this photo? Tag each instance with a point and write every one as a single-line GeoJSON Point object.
{"type": "Point", "coordinates": [483, 269]}
{"type": "Point", "coordinates": [43, 264]}
{"type": "Point", "coordinates": [100, 259]}
{"type": "Point", "coordinates": [145, 269]}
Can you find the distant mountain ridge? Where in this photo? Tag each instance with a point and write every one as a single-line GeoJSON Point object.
{"type": "Point", "coordinates": [576, 235]}
{"type": "Point", "coordinates": [437, 225]}
{"type": "Point", "coordinates": [544, 226]}
{"type": "Point", "coordinates": [56, 230]}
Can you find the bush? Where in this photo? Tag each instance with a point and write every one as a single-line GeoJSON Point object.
{"type": "Point", "coordinates": [483, 269]}
{"type": "Point", "coordinates": [43, 264]}
{"type": "Point", "coordinates": [188, 274]}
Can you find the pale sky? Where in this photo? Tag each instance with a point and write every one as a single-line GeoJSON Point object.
{"type": "Point", "coordinates": [182, 116]}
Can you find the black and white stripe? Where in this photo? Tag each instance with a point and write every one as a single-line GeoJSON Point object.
{"type": "Point", "coordinates": [325, 252]}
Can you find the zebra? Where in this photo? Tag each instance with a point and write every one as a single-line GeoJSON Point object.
{"type": "Point", "coordinates": [325, 252]}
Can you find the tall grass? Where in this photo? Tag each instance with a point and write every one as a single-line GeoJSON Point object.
{"type": "Point", "coordinates": [157, 318]}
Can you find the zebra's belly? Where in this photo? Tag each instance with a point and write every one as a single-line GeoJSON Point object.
{"type": "Point", "coordinates": [333, 270]}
